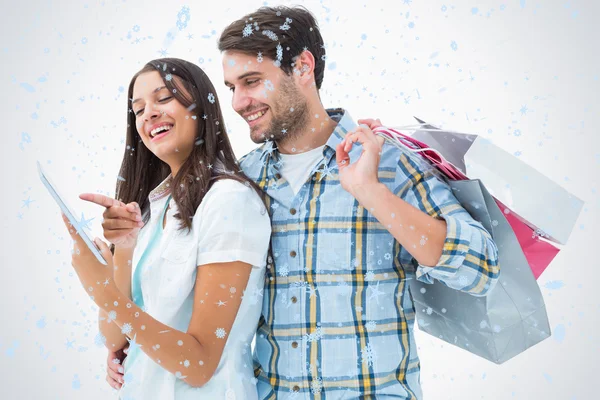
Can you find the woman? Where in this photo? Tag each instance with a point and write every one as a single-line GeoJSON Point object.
{"type": "Point", "coordinates": [190, 236]}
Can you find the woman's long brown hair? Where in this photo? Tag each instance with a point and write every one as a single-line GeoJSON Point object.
{"type": "Point", "coordinates": [141, 171]}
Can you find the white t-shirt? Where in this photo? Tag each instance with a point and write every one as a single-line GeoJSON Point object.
{"type": "Point", "coordinates": [231, 224]}
{"type": "Point", "coordinates": [297, 167]}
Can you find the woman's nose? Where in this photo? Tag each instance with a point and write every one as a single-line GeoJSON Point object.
{"type": "Point", "coordinates": [151, 113]}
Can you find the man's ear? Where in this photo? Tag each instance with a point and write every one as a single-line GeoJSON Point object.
{"type": "Point", "coordinates": [304, 67]}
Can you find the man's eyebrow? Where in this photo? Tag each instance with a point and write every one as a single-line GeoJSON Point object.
{"type": "Point", "coordinates": [158, 89]}
{"type": "Point", "coordinates": [245, 75]}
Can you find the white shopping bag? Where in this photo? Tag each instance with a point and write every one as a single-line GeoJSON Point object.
{"type": "Point", "coordinates": [534, 198]}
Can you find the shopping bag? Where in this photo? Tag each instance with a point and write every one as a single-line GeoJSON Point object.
{"type": "Point", "coordinates": [538, 250]}
{"type": "Point", "coordinates": [512, 316]}
{"type": "Point", "coordinates": [536, 200]}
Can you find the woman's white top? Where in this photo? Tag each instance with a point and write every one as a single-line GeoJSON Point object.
{"type": "Point", "coordinates": [231, 224]}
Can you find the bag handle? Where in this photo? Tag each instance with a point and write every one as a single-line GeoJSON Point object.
{"type": "Point", "coordinates": [415, 146]}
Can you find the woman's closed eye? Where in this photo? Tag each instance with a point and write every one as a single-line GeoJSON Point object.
{"type": "Point", "coordinates": [163, 100]}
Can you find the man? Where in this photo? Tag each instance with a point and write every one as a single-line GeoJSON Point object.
{"type": "Point", "coordinates": [353, 221]}
{"type": "Point", "coordinates": [337, 313]}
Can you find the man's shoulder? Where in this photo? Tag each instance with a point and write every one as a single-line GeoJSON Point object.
{"type": "Point", "coordinates": [402, 162]}
{"type": "Point", "coordinates": [251, 163]}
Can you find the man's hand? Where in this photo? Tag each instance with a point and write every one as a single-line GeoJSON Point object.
{"type": "Point", "coordinates": [370, 122]}
{"type": "Point", "coordinates": [358, 177]}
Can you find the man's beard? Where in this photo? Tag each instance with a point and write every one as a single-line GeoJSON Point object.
{"type": "Point", "coordinates": [286, 125]}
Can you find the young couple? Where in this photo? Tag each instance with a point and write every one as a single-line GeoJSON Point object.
{"type": "Point", "coordinates": [309, 247]}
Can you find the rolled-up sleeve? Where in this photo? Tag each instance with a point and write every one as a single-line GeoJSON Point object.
{"type": "Point", "coordinates": [469, 260]}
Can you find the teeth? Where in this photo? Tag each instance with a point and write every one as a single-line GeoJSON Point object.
{"type": "Point", "coordinates": [156, 131]}
{"type": "Point", "coordinates": [255, 116]}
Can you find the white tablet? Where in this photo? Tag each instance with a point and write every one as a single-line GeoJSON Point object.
{"type": "Point", "coordinates": [68, 211]}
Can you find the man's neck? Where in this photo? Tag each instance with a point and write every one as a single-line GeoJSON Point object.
{"type": "Point", "coordinates": [315, 134]}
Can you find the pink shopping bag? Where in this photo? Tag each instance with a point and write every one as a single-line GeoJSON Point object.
{"type": "Point", "coordinates": [538, 252]}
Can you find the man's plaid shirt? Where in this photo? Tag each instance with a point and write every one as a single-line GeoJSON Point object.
{"type": "Point", "coordinates": [338, 317]}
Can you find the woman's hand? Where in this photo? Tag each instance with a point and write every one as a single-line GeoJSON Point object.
{"type": "Point", "coordinates": [95, 277]}
{"type": "Point", "coordinates": [122, 222]}
{"type": "Point", "coordinates": [114, 367]}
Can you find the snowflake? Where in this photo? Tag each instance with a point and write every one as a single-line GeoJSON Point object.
{"type": "Point", "coordinates": [211, 98]}
{"type": "Point", "coordinates": [429, 310]}
{"type": "Point", "coordinates": [369, 276]}
{"type": "Point", "coordinates": [100, 339]}
{"type": "Point", "coordinates": [423, 240]}
{"type": "Point", "coordinates": [284, 271]}
{"type": "Point", "coordinates": [286, 24]}
{"type": "Point", "coordinates": [183, 17]}
{"type": "Point", "coordinates": [369, 355]}
{"type": "Point", "coordinates": [136, 28]}
{"type": "Point", "coordinates": [371, 325]}
{"type": "Point", "coordinates": [247, 30]}
{"type": "Point", "coordinates": [220, 332]}
{"type": "Point", "coordinates": [112, 315]}
{"type": "Point", "coordinates": [316, 385]}
{"type": "Point", "coordinates": [453, 45]}
{"type": "Point", "coordinates": [186, 363]}
{"type": "Point", "coordinates": [269, 85]}
{"type": "Point", "coordinates": [279, 52]}
{"type": "Point", "coordinates": [463, 280]}
{"type": "Point", "coordinates": [126, 329]}
{"type": "Point", "coordinates": [259, 58]}
{"type": "Point", "coordinates": [313, 337]}
{"type": "Point", "coordinates": [270, 35]}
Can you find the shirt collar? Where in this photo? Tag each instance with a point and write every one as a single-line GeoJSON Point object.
{"type": "Point", "coordinates": [162, 190]}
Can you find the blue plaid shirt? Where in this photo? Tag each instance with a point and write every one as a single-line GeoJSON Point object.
{"type": "Point", "coordinates": [338, 317]}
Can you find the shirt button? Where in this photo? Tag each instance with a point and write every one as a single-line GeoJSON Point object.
{"type": "Point", "coordinates": [294, 300]}
{"type": "Point", "coordinates": [278, 176]}
{"type": "Point", "coordinates": [293, 211]}
{"type": "Point", "coordinates": [296, 388]}
{"type": "Point", "coordinates": [293, 253]}
{"type": "Point", "coordinates": [295, 345]}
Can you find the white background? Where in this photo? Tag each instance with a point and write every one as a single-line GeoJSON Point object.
{"type": "Point", "coordinates": [524, 74]}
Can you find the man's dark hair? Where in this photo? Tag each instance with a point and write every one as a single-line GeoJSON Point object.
{"type": "Point", "coordinates": [293, 28]}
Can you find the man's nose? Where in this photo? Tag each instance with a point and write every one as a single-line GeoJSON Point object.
{"type": "Point", "coordinates": [240, 101]}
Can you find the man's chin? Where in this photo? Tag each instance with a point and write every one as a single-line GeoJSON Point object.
{"type": "Point", "coordinates": [258, 136]}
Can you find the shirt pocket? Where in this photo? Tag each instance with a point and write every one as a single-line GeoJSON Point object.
{"type": "Point", "coordinates": [177, 277]}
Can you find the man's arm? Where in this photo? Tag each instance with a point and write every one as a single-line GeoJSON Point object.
{"type": "Point", "coordinates": [423, 216]}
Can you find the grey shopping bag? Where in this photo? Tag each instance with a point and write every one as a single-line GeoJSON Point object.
{"type": "Point", "coordinates": [507, 321]}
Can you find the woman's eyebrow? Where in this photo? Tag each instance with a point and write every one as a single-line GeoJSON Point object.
{"type": "Point", "coordinates": [158, 89]}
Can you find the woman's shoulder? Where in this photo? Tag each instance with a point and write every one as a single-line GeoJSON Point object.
{"type": "Point", "coordinates": [227, 192]}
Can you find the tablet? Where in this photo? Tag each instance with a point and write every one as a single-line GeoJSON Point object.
{"type": "Point", "coordinates": [71, 215]}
